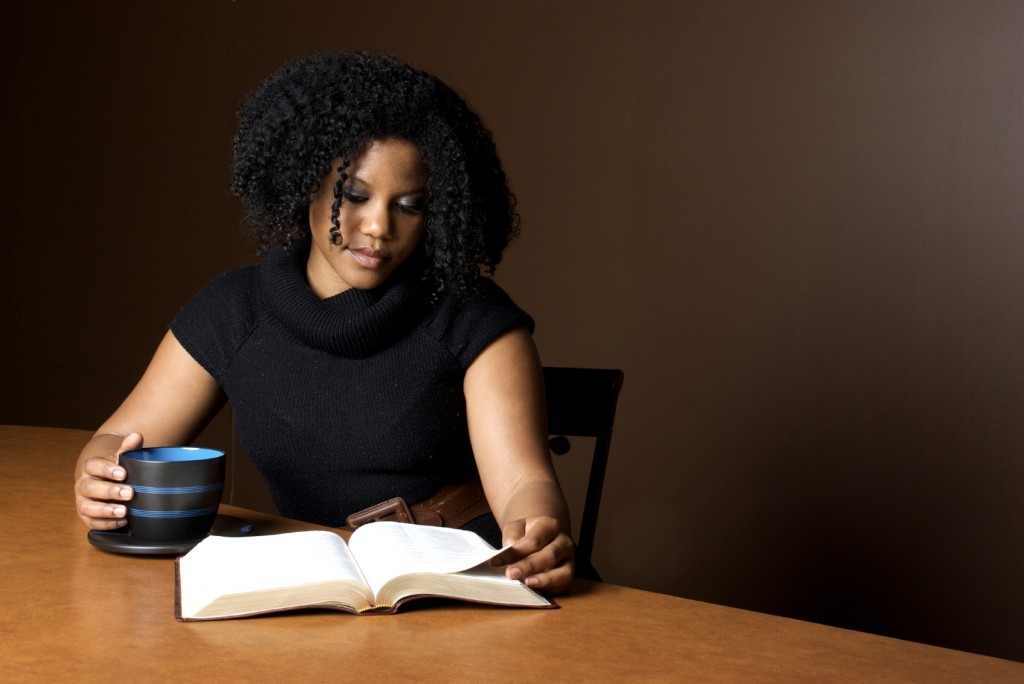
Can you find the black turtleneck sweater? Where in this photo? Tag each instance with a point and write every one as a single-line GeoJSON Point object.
{"type": "Point", "coordinates": [344, 402]}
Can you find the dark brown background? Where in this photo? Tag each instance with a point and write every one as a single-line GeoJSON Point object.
{"type": "Point", "coordinates": [795, 225]}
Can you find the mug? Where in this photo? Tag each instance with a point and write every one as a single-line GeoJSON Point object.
{"type": "Point", "coordinates": [177, 491]}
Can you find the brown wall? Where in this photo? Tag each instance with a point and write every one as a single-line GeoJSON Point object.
{"type": "Point", "coordinates": [796, 226]}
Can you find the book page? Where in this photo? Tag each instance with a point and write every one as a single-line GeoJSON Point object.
{"type": "Point", "coordinates": [220, 566]}
{"type": "Point", "coordinates": [388, 549]}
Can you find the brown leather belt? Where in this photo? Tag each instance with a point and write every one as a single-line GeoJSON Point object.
{"type": "Point", "coordinates": [453, 505]}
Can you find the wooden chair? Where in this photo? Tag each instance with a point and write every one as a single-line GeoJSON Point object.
{"type": "Point", "coordinates": [581, 403]}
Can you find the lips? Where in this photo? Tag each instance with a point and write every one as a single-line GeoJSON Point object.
{"type": "Point", "coordinates": [368, 258]}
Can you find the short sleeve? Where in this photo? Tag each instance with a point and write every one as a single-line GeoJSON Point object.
{"type": "Point", "coordinates": [466, 325]}
{"type": "Point", "coordinates": [218, 320]}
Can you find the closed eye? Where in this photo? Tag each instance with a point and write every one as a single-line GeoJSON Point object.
{"type": "Point", "coordinates": [411, 208]}
{"type": "Point", "coordinates": [350, 196]}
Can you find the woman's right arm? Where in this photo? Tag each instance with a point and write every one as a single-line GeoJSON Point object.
{"type": "Point", "coordinates": [170, 405]}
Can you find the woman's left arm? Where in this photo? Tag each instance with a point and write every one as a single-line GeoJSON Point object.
{"type": "Point", "coordinates": [507, 418]}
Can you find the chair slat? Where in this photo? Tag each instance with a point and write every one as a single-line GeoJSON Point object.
{"type": "Point", "coordinates": [581, 402]}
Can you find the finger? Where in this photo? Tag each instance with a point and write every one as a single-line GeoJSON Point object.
{"type": "Point", "coordinates": [546, 558]}
{"type": "Point", "coordinates": [539, 533]}
{"type": "Point", "coordinates": [108, 467]}
{"type": "Point", "coordinates": [552, 582]}
{"type": "Point", "coordinates": [104, 490]}
{"type": "Point", "coordinates": [105, 468]}
{"type": "Point", "coordinates": [132, 440]}
{"type": "Point", "coordinates": [528, 536]}
{"type": "Point", "coordinates": [104, 525]}
{"type": "Point", "coordinates": [513, 532]}
{"type": "Point", "coordinates": [510, 534]}
{"type": "Point", "coordinates": [100, 515]}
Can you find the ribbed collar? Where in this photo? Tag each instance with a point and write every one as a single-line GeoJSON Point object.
{"type": "Point", "coordinates": [353, 324]}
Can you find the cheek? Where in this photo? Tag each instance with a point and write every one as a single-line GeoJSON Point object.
{"type": "Point", "coordinates": [320, 209]}
{"type": "Point", "coordinates": [316, 216]}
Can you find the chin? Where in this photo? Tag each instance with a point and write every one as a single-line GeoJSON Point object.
{"type": "Point", "coordinates": [368, 281]}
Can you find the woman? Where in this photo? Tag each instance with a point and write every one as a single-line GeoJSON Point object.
{"type": "Point", "coordinates": [366, 357]}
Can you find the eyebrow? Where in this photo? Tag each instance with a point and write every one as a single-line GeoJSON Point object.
{"type": "Point", "coordinates": [413, 191]}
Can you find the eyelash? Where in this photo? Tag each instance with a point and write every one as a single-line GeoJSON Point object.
{"type": "Point", "coordinates": [409, 209]}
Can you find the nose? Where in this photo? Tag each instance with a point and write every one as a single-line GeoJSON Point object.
{"type": "Point", "coordinates": [377, 222]}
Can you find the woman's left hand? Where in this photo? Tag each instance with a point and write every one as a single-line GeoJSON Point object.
{"type": "Point", "coordinates": [541, 554]}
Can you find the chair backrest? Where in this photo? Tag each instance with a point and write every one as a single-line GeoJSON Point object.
{"type": "Point", "coordinates": [581, 403]}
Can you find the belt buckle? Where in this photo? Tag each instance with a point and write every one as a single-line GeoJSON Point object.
{"type": "Point", "coordinates": [392, 509]}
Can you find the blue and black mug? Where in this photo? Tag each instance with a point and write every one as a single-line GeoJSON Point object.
{"type": "Point", "coordinates": [177, 492]}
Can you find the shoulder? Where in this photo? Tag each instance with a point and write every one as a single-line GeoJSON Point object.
{"type": "Point", "coordinates": [219, 318]}
{"type": "Point", "coordinates": [468, 323]}
{"type": "Point", "coordinates": [227, 292]}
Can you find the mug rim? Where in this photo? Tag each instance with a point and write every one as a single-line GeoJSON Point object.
{"type": "Point", "coordinates": [171, 454]}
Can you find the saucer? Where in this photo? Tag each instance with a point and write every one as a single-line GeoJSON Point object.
{"type": "Point", "coordinates": [121, 541]}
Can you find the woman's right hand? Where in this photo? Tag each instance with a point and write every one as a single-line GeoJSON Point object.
{"type": "Point", "coordinates": [171, 404]}
{"type": "Point", "coordinates": [99, 494]}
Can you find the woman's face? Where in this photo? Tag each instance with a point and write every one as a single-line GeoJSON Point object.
{"type": "Point", "coordinates": [381, 217]}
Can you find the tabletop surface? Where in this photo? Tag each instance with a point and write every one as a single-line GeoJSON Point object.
{"type": "Point", "coordinates": [72, 611]}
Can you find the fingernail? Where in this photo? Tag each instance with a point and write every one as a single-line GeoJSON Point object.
{"type": "Point", "coordinates": [120, 511]}
{"type": "Point", "coordinates": [117, 472]}
{"type": "Point", "coordinates": [121, 523]}
{"type": "Point", "coordinates": [532, 581]}
{"type": "Point", "coordinates": [125, 492]}
{"type": "Point", "coordinates": [514, 573]}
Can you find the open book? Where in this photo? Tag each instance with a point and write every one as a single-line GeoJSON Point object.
{"type": "Point", "coordinates": [383, 565]}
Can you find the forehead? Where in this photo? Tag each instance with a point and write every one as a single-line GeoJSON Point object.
{"type": "Point", "coordinates": [390, 161]}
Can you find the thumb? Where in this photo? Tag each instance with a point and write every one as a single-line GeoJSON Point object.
{"type": "Point", "coordinates": [132, 441]}
{"type": "Point", "coordinates": [510, 534]}
{"type": "Point", "coordinates": [513, 532]}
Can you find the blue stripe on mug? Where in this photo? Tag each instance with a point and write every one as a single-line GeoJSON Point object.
{"type": "Point", "coordinates": [193, 513]}
{"type": "Point", "coordinates": [194, 489]}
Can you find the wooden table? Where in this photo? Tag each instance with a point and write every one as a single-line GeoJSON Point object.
{"type": "Point", "coordinates": [71, 611]}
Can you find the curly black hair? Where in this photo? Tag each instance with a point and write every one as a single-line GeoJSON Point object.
{"type": "Point", "coordinates": [335, 105]}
